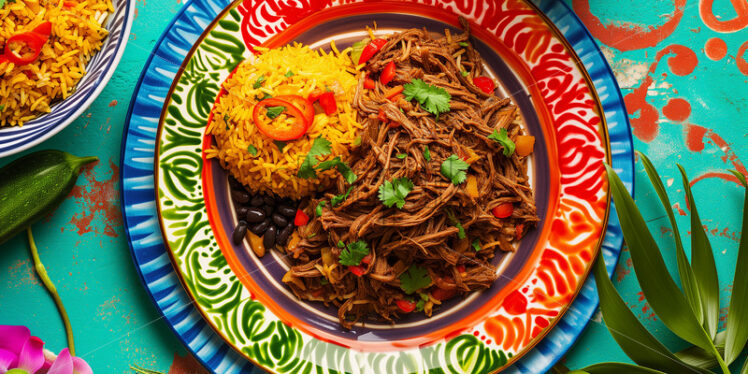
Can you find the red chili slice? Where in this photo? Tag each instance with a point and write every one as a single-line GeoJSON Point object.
{"type": "Point", "coordinates": [304, 105]}
{"type": "Point", "coordinates": [369, 83]}
{"type": "Point", "coordinates": [485, 84]}
{"type": "Point", "coordinates": [33, 40]}
{"type": "Point", "coordinates": [301, 218]}
{"type": "Point", "coordinates": [406, 306]}
{"type": "Point", "coordinates": [357, 270]}
{"type": "Point", "coordinates": [388, 73]}
{"type": "Point", "coordinates": [298, 128]}
{"type": "Point", "coordinates": [503, 210]}
{"type": "Point", "coordinates": [327, 102]}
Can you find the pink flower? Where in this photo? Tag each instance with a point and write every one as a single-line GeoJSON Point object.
{"type": "Point", "coordinates": [21, 353]}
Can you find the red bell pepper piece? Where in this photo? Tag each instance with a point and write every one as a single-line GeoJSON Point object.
{"type": "Point", "coordinates": [406, 306]}
{"type": "Point", "coordinates": [388, 73]}
{"type": "Point", "coordinates": [327, 102]}
{"type": "Point", "coordinates": [485, 84]}
{"type": "Point", "coordinates": [503, 210]}
{"type": "Point", "coordinates": [301, 218]}
{"type": "Point", "coordinates": [357, 270]}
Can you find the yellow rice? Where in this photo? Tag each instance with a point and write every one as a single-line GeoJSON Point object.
{"type": "Point", "coordinates": [271, 170]}
{"type": "Point", "coordinates": [77, 33]}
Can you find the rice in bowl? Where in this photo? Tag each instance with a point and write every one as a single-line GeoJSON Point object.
{"type": "Point", "coordinates": [27, 90]}
{"type": "Point", "coordinates": [269, 166]}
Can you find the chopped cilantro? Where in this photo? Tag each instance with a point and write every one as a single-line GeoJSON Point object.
{"type": "Point", "coordinates": [461, 230]}
{"type": "Point", "coordinates": [464, 73]}
{"type": "Point", "coordinates": [502, 138]}
{"type": "Point", "coordinates": [340, 198]}
{"type": "Point", "coordinates": [252, 150]}
{"type": "Point", "coordinates": [414, 279]}
{"type": "Point", "coordinates": [401, 155]}
{"type": "Point", "coordinates": [354, 253]}
{"type": "Point", "coordinates": [394, 193]}
{"type": "Point", "coordinates": [433, 99]}
{"type": "Point", "coordinates": [318, 209]}
{"type": "Point", "coordinates": [340, 244]}
{"type": "Point", "coordinates": [274, 111]}
{"type": "Point", "coordinates": [463, 44]}
{"type": "Point", "coordinates": [320, 147]}
{"type": "Point", "coordinates": [2, 107]}
{"type": "Point", "coordinates": [422, 302]}
{"type": "Point", "coordinates": [324, 281]}
{"type": "Point", "coordinates": [280, 144]}
{"type": "Point", "coordinates": [226, 117]}
{"type": "Point", "coordinates": [289, 74]}
{"type": "Point", "coordinates": [426, 153]}
{"type": "Point", "coordinates": [258, 82]}
{"type": "Point", "coordinates": [453, 168]}
{"type": "Point", "coordinates": [342, 167]}
{"type": "Point", "coordinates": [476, 244]}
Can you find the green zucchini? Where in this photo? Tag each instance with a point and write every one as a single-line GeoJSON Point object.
{"type": "Point", "coordinates": [33, 186]}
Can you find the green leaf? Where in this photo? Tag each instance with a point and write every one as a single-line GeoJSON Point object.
{"type": "Point", "coordinates": [690, 289]}
{"type": "Point", "coordinates": [426, 153]}
{"type": "Point", "coordinates": [702, 262]}
{"type": "Point", "coordinates": [502, 138]}
{"type": "Point", "coordinates": [700, 358]}
{"type": "Point", "coordinates": [252, 150]}
{"type": "Point", "coordinates": [289, 74]}
{"type": "Point", "coordinates": [274, 111]}
{"type": "Point", "coordinates": [337, 199]}
{"type": "Point", "coordinates": [2, 4]}
{"type": "Point", "coordinates": [464, 73]}
{"type": "Point", "coordinates": [633, 338]}
{"type": "Point", "coordinates": [318, 209]}
{"type": "Point", "coordinates": [341, 166]}
{"type": "Point", "coordinates": [414, 279]}
{"type": "Point", "coordinates": [744, 370]}
{"type": "Point", "coordinates": [661, 292]}
{"type": "Point", "coordinates": [341, 244]}
{"type": "Point", "coordinates": [454, 169]}
{"type": "Point", "coordinates": [320, 147]}
{"type": "Point", "coordinates": [463, 44]}
{"type": "Point", "coordinates": [619, 368]}
{"type": "Point", "coordinates": [258, 82]}
{"type": "Point", "coordinates": [476, 244]}
{"type": "Point", "coordinates": [354, 253]}
{"type": "Point", "coordinates": [395, 192]}
{"type": "Point", "coordinates": [401, 155]}
{"type": "Point", "coordinates": [737, 312]}
{"type": "Point", "coordinates": [433, 99]}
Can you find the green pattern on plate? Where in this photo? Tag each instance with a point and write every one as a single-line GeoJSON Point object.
{"type": "Point", "coordinates": [245, 323]}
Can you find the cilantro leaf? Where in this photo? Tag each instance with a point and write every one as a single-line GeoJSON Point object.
{"type": "Point", "coordinates": [419, 305]}
{"type": "Point", "coordinates": [320, 147]}
{"type": "Point", "coordinates": [280, 144]}
{"type": "Point", "coordinates": [415, 278]}
{"type": "Point", "coordinates": [461, 230]}
{"type": "Point", "coordinates": [394, 193]}
{"type": "Point", "coordinates": [274, 111]}
{"type": "Point", "coordinates": [401, 155]}
{"type": "Point", "coordinates": [342, 167]}
{"type": "Point", "coordinates": [502, 138]}
{"type": "Point", "coordinates": [453, 168]}
{"type": "Point", "coordinates": [340, 198]}
{"type": "Point", "coordinates": [464, 73]}
{"type": "Point", "coordinates": [340, 244]}
{"type": "Point", "coordinates": [252, 150]}
{"type": "Point", "coordinates": [318, 209]}
{"type": "Point", "coordinates": [476, 244]}
{"type": "Point", "coordinates": [463, 44]}
{"type": "Point", "coordinates": [433, 99]}
{"type": "Point", "coordinates": [289, 74]}
{"type": "Point", "coordinates": [258, 82]}
{"type": "Point", "coordinates": [226, 117]}
{"type": "Point", "coordinates": [426, 153]}
{"type": "Point", "coordinates": [354, 253]}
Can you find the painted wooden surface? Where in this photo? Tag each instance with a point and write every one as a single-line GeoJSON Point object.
{"type": "Point", "coordinates": [681, 65]}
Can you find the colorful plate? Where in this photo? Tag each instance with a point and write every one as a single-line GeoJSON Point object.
{"type": "Point", "coordinates": [550, 273]}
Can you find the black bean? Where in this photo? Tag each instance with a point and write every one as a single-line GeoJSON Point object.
{"type": "Point", "coordinates": [239, 231]}
{"type": "Point", "coordinates": [268, 209]}
{"type": "Point", "coordinates": [269, 200]}
{"type": "Point", "coordinates": [255, 215]}
{"type": "Point", "coordinates": [280, 220]}
{"type": "Point", "coordinates": [287, 211]}
{"type": "Point", "coordinates": [241, 212]}
{"type": "Point", "coordinates": [260, 228]}
{"type": "Point", "coordinates": [234, 183]}
{"type": "Point", "coordinates": [256, 201]}
{"type": "Point", "coordinates": [268, 240]}
{"type": "Point", "coordinates": [284, 234]}
{"type": "Point", "coordinates": [240, 196]}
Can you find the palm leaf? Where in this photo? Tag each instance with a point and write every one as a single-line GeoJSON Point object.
{"type": "Point", "coordinates": [690, 289]}
{"type": "Point", "coordinates": [618, 368]}
{"type": "Point", "coordinates": [702, 261]}
{"type": "Point", "coordinates": [658, 287]}
{"type": "Point", "coordinates": [633, 338]}
{"type": "Point", "coordinates": [737, 314]}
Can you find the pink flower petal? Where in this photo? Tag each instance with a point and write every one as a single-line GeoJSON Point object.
{"type": "Point", "coordinates": [13, 337]}
{"type": "Point", "coordinates": [80, 366]}
{"type": "Point", "coordinates": [32, 355]}
{"type": "Point", "coordinates": [63, 364]}
{"type": "Point", "coordinates": [7, 360]}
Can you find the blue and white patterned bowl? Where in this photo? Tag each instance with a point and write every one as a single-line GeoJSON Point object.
{"type": "Point", "coordinates": [101, 67]}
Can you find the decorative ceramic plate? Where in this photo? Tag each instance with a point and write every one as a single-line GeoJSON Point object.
{"type": "Point", "coordinates": [99, 70]}
{"type": "Point", "coordinates": [486, 333]}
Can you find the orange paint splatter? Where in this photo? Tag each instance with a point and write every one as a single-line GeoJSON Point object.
{"type": "Point", "coordinates": [680, 210]}
{"type": "Point", "coordinates": [97, 198]}
{"type": "Point", "coordinates": [683, 62]}
{"type": "Point", "coordinates": [740, 61]}
{"type": "Point", "coordinates": [715, 49]}
{"type": "Point", "coordinates": [739, 22]}
{"type": "Point", "coordinates": [623, 269]}
{"type": "Point", "coordinates": [677, 110]}
{"type": "Point", "coordinates": [695, 137]}
{"type": "Point", "coordinates": [627, 36]}
{"type": "Point", "coordinates": [113, 103]}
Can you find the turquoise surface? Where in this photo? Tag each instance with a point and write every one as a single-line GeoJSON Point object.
{"type": "Point", "coordinates": [86, 254]}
